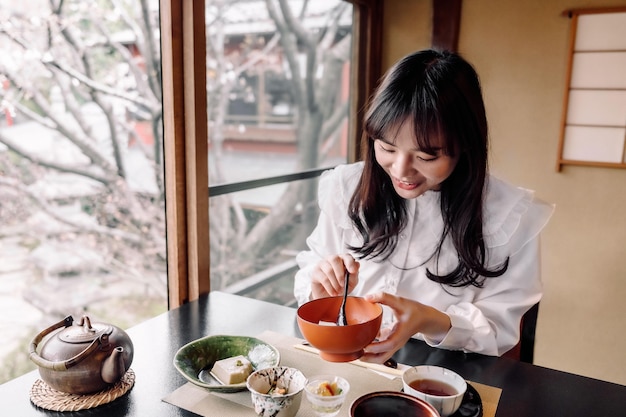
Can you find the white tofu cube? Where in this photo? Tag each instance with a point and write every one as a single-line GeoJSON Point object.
{"type": "Point", "coordinates": [232, 370]}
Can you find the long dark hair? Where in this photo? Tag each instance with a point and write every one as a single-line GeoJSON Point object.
{"type": "Point", "coordinates": [440, 94]}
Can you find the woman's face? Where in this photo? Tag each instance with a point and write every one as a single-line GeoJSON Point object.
{"type": "Point", "coordinates": [412, 171]}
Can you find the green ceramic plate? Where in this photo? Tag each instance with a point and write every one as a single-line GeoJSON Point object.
{"type": "Point", "coordinates": [195, 360]}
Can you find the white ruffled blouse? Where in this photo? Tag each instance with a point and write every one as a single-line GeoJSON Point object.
{"type": "Point", "coordinates": [484, 320]}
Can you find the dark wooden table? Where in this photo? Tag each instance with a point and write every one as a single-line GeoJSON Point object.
{"type": "Point", "coordinates": [527, 390]}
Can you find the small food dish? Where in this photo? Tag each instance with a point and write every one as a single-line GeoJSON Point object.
{"type": "Point", "coordinates": [440, 387]}
{"type": "Point", "coordinates": [316, 320]}
{"type": "Point", "coordinates": [391, 403]}
{"type": "Point", "coordinates": [326, 394]}
{"type": "Point", "coordinates": [276, 391]}
{"type": "Point", "coordinates": [196, 359]}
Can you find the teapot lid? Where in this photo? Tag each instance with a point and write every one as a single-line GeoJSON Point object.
{"type": "Point", "coordinates": [85, 331]}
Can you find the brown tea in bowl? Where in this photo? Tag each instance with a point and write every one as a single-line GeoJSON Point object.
{"type": "Point", "coordinates": [433, 387]}
{"type": "Point", "coordinates": [440, 387]}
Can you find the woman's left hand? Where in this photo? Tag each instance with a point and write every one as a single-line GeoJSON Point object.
{"type": "Point", "coordinates": [411, 317]}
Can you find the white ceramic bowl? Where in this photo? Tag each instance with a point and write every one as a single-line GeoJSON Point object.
{"type": "Point", "coordinates": [445, 398]}
{"type": "Point", "coordinates": [326, 405]}
{"type": "Point", "coordinates": [268, 403]}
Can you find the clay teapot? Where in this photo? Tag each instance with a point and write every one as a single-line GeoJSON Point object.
{"type": "Point", "coordinates": [82, 358]}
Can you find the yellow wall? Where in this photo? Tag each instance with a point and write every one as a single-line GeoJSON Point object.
{"type": "Point", "coordinates": [520, 51]}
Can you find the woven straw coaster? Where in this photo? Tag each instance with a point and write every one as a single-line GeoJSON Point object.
{"type": "Point", "coordinates": [42, 395]}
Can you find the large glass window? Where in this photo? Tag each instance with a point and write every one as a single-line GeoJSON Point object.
{"type": "Point", "coordinates": [82, 225]}
{"type": "Point", "coordinates": [82, 222]}
{"type": "Point", "coordinates": [278, 98]}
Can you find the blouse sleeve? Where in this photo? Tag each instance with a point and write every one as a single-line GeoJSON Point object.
{"type": "Point", "coordinates": [489, 324]}
{"type": "Point", "coordinates": [328, 238]}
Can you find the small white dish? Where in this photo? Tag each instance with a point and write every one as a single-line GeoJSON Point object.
{"type": "Point", "coordinates": [440, 387]}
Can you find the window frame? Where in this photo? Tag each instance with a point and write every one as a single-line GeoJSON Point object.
{"type": "Point", "coordinates": [185, 122]}
{"type": "Point", "coordinates": [183, 59]}
{"type": "Point", "coordinates": [185, 131]}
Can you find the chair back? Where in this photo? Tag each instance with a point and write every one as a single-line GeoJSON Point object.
{"type": "Point", "coordinates": [525, 349]}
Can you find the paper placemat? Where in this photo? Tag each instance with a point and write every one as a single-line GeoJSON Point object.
{"type": "Point", "coordinates": [362, 381]}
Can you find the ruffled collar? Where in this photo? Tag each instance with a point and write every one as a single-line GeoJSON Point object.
{"type": "Point", "coordinates": [504, 205]}
{"type": "Point", "coordinates": [503, 209]}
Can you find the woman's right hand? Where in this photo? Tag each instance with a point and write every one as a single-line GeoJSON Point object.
{"type": "Point", "coordinates": [328, 276]}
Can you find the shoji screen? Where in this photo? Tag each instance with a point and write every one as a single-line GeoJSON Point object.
{"type": "Point", "coordinates": [594, 119]}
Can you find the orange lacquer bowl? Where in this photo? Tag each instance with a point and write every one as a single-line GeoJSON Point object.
{"type": "Point", "coordinates": [339, 343]}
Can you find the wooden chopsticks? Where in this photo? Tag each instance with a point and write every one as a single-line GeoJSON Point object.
{"type": "Point", "coordinates": [373, 366]}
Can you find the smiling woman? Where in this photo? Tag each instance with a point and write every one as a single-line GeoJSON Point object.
{"type": "Point", "coordinates": [421, 226]}
{"type": "Point", "coordinates": [412, 171]}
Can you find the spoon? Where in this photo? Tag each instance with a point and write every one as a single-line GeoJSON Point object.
{"type": "Point", "coordinates": [341, 319]}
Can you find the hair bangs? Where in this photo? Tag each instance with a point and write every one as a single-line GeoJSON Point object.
{"type": "Point", "coordinates": [387, 116]}
{"type": "Point", "coordinates": [432, 130]}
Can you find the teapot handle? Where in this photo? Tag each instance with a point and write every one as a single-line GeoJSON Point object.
{"type": "Point", "coordinates": [68, 363]}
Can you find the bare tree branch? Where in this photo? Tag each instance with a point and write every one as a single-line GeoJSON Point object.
{"type": "Point", "coordinates": [88, 173]}
{"type": "Point", "coordinates": [81, 142]}
{"type": "Point", "coordinates": [43, 205]}
{"type": "Point", "coordinates": [101, 88]}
